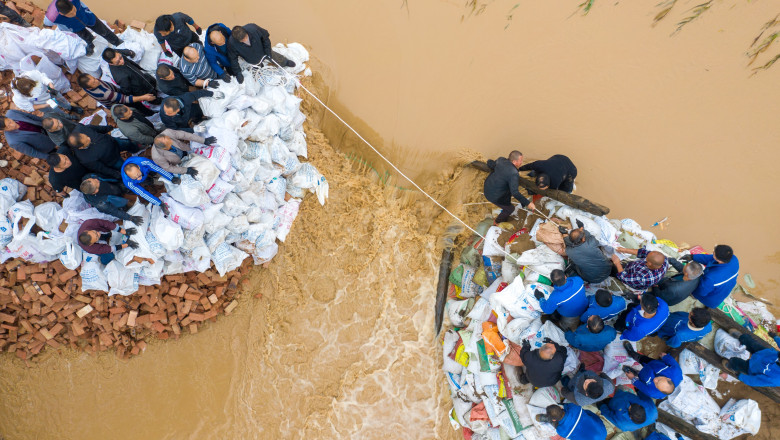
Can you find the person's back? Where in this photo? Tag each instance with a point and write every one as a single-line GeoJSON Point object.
{"type": "Point", "coordinates": [683, 327]}
{"type": "Point", "coordinates": [666, 367]}
{"type": "Point", "coordinates": [217, 54]}
{"type": "Point", "coordinates": [585, 253]}
{"type": "Point", "coordinates": [591, 336]}
{"type": "Point", "coordinates": [544, 366]}
{"type": "Point", "coordinates": [719, 278]}
{"type": "Point", "coordinates": [604, 305]}
{"type": "Point", "coordinates": [587, 387]}
{"type": "Point", "coordinates": [65, 171]}
{"type": "Point", "coordinates": [568, 299]}
{"type": "Point", "coordinates": [629, 412]}
{"type": "Point", "coordinates": [133, 125]}
{"type": "Point", "coordinates": [645, 319]}
{"type": "Point", "coordinates": [559, 169]}
{"type": "Point", "coordinates": [24, 133]}
{"type": "Point", "coordinates": [580, 424]}
{"type": "Point", "coordinates": [763, 369]}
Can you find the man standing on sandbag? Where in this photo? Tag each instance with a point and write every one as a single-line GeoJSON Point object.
{"type": "Point", "coordinates": [567, 301]}
{"type": "Point", "coordinates": [586, 255]}
{"type": "Point", "coordinates": [647, 270]}
{"type": "Point", "coordinates": [77, 17]}
{"type": "Point", "coordinates": [130, 77]}
{"type": "Point", "coordinates": [644, 317]}
{"type": "Point", "coordinates": [24, 133]}
{"type": "Point", "coordinates": [503, 183]}
{"type": "Point", "coordinates": [107, 197]}
{"type": "Point", "coordinates": [544, 366]}
{"type": "Point", "coordinates": [134, 172]}
{"type": "Point", "coordinates": [170, 146]}
{"type": "Point", "coordinates": [183, 112]}
{"type": "Point", "coordinates": [175, 30]}
{"type": "Point", "coordinates": [658, 378]}
{"type": "Point", "coordinates": [133, 124]}
{"type": "Point", "coordinates": [171, 82]}
{"type": "Point", "coordinates": [586, 387]}
{"type": "Point", "coordinates": [95, 235]}
{"type": "Point", "coordinates": [574, 422]}
{"type": "Point", "coordinates": [217, 36]}
{"type": "Point", "coordinates": [763, 367]}
{"type": "Point", "coordinates": [253, 44]}
{"type": "Point", "coordinates": [65, 171]}
{"type": "Point", "coordinates": [557, 172]}
{"type": "Point", "coordinates": [719, 278]}
{"type": "Point", "coordinates": [196, 68]}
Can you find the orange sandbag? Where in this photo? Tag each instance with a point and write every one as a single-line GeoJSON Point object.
{"type": "Point", "coordinates": [492, 338]}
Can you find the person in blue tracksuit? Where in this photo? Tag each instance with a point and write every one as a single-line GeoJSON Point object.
{"type": "Point", "coordinates": [644, 319]}
{"type": "Point", "coordinates": [658, 378]}
{"type": "Point", "coordinates": [763, 367]}
{"type": "Point", "coordinates": [605, 305]}
{"type": "Point", "coordinates": [684, 327]}
{"type": "Point", "coordinates": [629, 411]}
{"type": "Point", "coordinates": [574, 423]}
{"type": "Point", "coordinates": [591, 336]}
{"type": "Point", "coordinates": [719, 277]}
{"type": "Point", "coordinates": [568, 299]}
{"type": "Point", "coordinates": [134, 172]}
{"type": "Point", "coordinates": [217, 36]}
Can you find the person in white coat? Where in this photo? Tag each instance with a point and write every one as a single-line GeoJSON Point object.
{"type": "Point", "coordinates": [34, 90]}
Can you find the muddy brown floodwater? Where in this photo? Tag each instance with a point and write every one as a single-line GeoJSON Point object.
{"type": "Point", "coordinates": [341, 344]}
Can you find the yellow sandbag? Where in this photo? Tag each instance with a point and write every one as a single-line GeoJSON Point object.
{"type": "Point", "coordinates": [666, 242]}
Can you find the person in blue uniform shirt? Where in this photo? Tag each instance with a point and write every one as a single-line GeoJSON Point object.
{"type": "Point", "coordinates": [574, 423]}
{"type": "Point", "coordinates": [683, 327]}
{"type": "Point", "coordinates": [605, 305]}
{"type": "Point", "coordinates": [591, 336]}
{"type": "Point", "coordinates": [629, 411]}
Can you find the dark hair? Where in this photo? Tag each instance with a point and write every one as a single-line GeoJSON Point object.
{"type": "Point", "coordinates": [24, 85]}
{"type": "Point", "coordinates": [603, 298]}
{"type": "Point", "coordinates": [238, 33]}
{"type": "Point", "coordinates": [171, 102]}
{"type": "Point", "coordinates": [121, 111]}
{"type": "Point", "coordinates": [514, 155]}
{"type": "Point", "coordinates": [158, 140]}
{"type": "Point", "coordinates": [595, 324]}
{"type": "Point", "coordinates": [163, 70]}
{"type": "Point", "coordinates": [48, 124]}
{"type": "Point", "coordinates": [2, 122]}
{"type": "Point", "coordinates": [64, 6]}
{"type": "Point", "coordinates": [557, 277]}
{"type": "Point", "coordinates": [700, 317]}
{"type": "Point", "coordinates": [723, 253]}
{"type": "Point", "coordinates": [163, 23]}
{"type": "Point", "coordinates": [649, 303]}
{"type": "Point", "coordinates": [594, 390]}
{"type": "Point", "coordinates": [542, 180]}
{"type": "Point", "coordinates": [555, 413]}
{"type": "Point", "coordinates": [83, 80]}
{"type": "Point", "coordinates": [85, 239]}
{"type": "Point", "coordinates": [53, 159]}
{"type": "Point", "coordinates": [75, 141]}
{"type": "Point", "coordinates": [87, 187]}
{"type": "Point", "coordinates": [108, 55]}
{"type": "Point", "coordinates": [637, 413]}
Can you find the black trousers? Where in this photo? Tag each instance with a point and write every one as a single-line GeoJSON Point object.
{"type": "Point", "coordinates": [101, 29]}
{"type": "Point", "coordinates": [505, 203]}
{"type": "Point", "coordinates": [740, 365]}
{"type": "Point", "coordinates": [13, 16]}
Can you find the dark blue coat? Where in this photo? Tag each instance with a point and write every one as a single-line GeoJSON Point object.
{"type": "Point", "coordinates": [676, 331]}
{"type": "Point", "coordinates": [667, 367]}
{"type": "Point", "coordinates": [583, 339]}
{"type": "Point", "coordinates": [580, 424]}
{"type": "Point", "coordinates": [637, 327]}
{"type": "Point", "coordinates": [29, 143]}
{"type": "Point", "coordinates": [569, 300]}
{"type": "Point", "coordinates": [717, 281]}
{"type": "Point", "coordinates": [616, 411]}
{"type": "Point", "coordinates": [614, 309]}
{"type": "Point", "coordinates": [84, 17]}
{"type": "Point", "coordinates": [217, 55]}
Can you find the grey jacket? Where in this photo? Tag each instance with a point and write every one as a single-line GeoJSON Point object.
{"type": "Point", "coordinates": [170, 161]}
{"type": "Point", "coordinates": [588, 259]}
{"type": "Point", "coordinates": [674, 290]}
{"type": "Point", "coordinates": [60, 138]}
{"type": "Point", "coordinates": [574, 388]}
{"type": "Point", "coordinates": [135, 130]}
{"type": "Point", "coordinates": [27, 142]}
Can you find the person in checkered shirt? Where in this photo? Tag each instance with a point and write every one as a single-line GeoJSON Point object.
{"type": "Point", "coordinates": [646, 271]}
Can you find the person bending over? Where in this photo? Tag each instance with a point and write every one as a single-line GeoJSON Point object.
{"type": "Point", "coordinates": [94, 237]}
{"type": "Point", "coordinates": [134, 173]}
{"type": "Point", "coordinates": [503, 183]}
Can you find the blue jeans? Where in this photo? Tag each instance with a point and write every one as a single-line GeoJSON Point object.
{"type": "Point", "coordinates": [106, 258]}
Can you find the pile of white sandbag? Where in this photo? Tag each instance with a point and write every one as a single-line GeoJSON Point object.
{"type": "Point", "coordinates": [246, 195]}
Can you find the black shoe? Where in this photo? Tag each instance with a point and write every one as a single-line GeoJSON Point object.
{"type": "Point", "coordinates": [290, 63]}
{"type": "Point", "coordinates": [627, 369]}
{"type": "Point", "coordinates": [523, 379]}
{"type": "Point", "coordinates": [77, 110]}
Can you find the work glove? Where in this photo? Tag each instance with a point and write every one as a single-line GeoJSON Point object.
{"type": "Point", "coordinates": [213, 84]}
{"type": "Point", "coordinates": [137, 219]}
{"type": "Point", "coordinates": [240, 77]}
{"type": "Point", "coordinates": [225, 77]}
{"type": "Point", "coordinates": [130, 53]}
{"type": "Point", "coordinates": [131, 244]}
{"type": "Point", "coordinates": [198, 30]}
{"type": "Point", "coordinates": [131, 231]}
{"type": "Point", "coordinates": [165, 209]}
{"type": "Point", "coordinates": [526, 344]}
{"type": "Point", "coordinates": [211, 140]}
{"type": "Point", "coordinates": [167, 52]}
{"type": "Point", "coordinates": [218, 95]}
{"type": "Point", "coordinates": [538, 294]}
{"type": "Point", "coordinates": [563, 230]}
{"type": "Point", "coordinates": [90, 50]}
{"type": "Point", "coordinates": [548, 341]}
{"type": "Point", "coordinates": [176, 180]}
{"type": "Point", "coordinates": [192, 171]}
{"type": "Point", "coordinates": [580, 224]}
{"type": "Point", "coordinates": [686, 258]}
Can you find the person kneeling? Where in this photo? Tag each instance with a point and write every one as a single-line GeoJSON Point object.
{"type": "Point", "coordinates": [134, 172]}
{"type": "Point", "coordinates": [95, 235]}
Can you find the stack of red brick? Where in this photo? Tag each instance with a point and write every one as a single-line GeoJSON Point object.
{"type": "Point", "coordinates": [43, 304]}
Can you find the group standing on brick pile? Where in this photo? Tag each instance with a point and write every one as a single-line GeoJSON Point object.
{"type": "Point", "coordinates": [547, 308]}
{"type": "Point", "coordinates": [200, 165]}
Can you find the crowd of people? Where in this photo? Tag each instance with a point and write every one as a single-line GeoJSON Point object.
{"type": "Point", "coordinates": [653, 282]}
{"type": "Point", "coordinates": [45, 125]}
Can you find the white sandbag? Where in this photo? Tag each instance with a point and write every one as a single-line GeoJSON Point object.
{"type": "Point", "coordinates": [492, 248]}
{"type": "Point", "coordinates": [50, 246]}
{"type": "Point", "coordinates": [544, 397]}
{"type": "Point", "coordinates": [296, 53]}
{"type": "Point", "coordinates": [548, 330]}
{"type": "Point", "coordinates": [121, 280]}
{"type": "Point", "coordinates": [155, 246]}
{"type": "Point", "coordinates": [199, 260]}
{"type": "Point", "coordinates": [233, 205]}
{"type": "Point", "coordinates": [285, 217]}
{"type": "Point", "coordinates": [227, 258]}
{"type": "Point", "coordinates": [207, 170]}
{"type": "Point", "coordinates": [519, 300]}
{"type": "Point", "coordinates": [184, 216]}
{"type": "Point", "coordinates": [694, 404]}
{"type": "Point", "coordinates": [92, 275]}
{"type": "Point", "coordinates": [13, 188]}
{"type": "Point", "coordinates": [693, 364]}
{"type": "Point", "coordinates": [218, 155]}
{"type": "Point", "coordinates": [615, 357]}
{"type": "Point", "coordinates": [739, 417]}
{"type": "Point", "coordinates": [167, 232]}
{"type": "Point", "coordinates": [150, 49]}
{"type": "Point", "coordinates": [265, 254]}
{"type": "Point", "coordinates": [542, 259]}
{"type": "Point", "coordinates": [189, 192]}
{"type": "Point", "coordinates": [219, 190]}
{"type": "Point", "coordinates": [48, 68]}
{"type": "Point", "coordinates": [297, 145]}
{"type": "Point", "coordinates": [728, 346]}
{"type": "Point", "coordinates": [48, 216]}
{"type": "Point", "coordinates": [72, 256]}
{"type": "Point", "coordinates": [215, 219]}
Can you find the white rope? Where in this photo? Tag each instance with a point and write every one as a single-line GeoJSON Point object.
{"type": "Point", "coordinates": [386, 159]}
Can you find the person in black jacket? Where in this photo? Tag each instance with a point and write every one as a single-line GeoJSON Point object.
{"type": "Point", "coordinates": [557, 172]}
{"type": "Point", "coordinates": [130, 77]}
{"type": "Point", "coordinates": [503, 182]}
{"type": "Point", "coordinates": [174, 30]}
{"type": "Point", "coordinates": [99, 152]}
{"type": "Point", "coordinates": [183, 112]}
{"type": "Point", "coordinates": [675, 289]}
{"type": "Point", "coordinates": [544, 366]}
{"type": "Point", "coordinates": [170, 80]}
{"type": "Point", "coordinates": [65, 171]}
{"type": "Point", "coordinates": [105, 195]}
{"type": "Point", "coordinates": [59, 128]}
{"type": "Point", "coordinates": [252, 43]}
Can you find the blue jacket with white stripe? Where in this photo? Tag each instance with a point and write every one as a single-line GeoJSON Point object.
{"type": "Point", "coordinates": [676, 331]}
{"type": "Point", "coordinates": [637, 326]}
{"type": "Point", "coordinates": [614, 309]}
{"type": "Point", "coordinates": [717, 281]}
{"type": "Point", "coordinates": [569, 300]}
{"type": "Point", "coordinates": [580, 424]}
{"type": "Point", "coordinates": [667, 367]}
{"type": "Point", "coordinates": [145, 165]}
